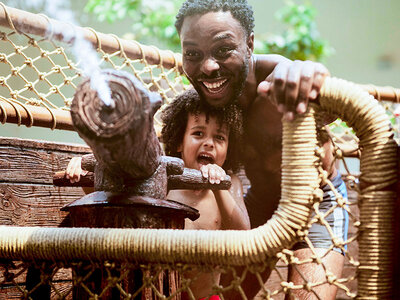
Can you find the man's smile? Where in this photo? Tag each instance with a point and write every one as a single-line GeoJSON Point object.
{"type": "Point", "coordinates": [214, 86]}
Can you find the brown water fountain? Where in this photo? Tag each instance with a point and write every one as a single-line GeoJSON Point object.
{"type": "Point", "coordinates": [131, 175]}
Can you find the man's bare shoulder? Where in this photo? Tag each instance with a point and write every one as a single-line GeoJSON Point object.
{"type": "Point", "coordinates": [265, 64]}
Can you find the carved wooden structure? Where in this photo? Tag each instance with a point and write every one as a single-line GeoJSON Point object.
{"type": "Point", "coordinates": [130, 173]}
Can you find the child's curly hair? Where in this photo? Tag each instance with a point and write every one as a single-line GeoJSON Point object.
{"type": "Point", "coordinates": [175, 118]}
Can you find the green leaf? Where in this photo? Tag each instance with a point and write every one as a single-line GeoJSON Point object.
{"type": "Point", "coordinates": [300, 39]}
{"type": "Point", "coordinates": [153, 22]}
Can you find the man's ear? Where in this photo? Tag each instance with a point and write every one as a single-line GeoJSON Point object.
{"type": "Point", "coordinates": [250, 43]}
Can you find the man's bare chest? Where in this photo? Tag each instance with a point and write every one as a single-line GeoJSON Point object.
{"type": "Point", "coordinates": [262, 133]}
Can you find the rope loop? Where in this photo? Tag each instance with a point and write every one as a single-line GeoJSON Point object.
{"type": "Point", "coordinates": [10, 22]}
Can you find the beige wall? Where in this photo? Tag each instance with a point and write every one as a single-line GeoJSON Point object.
{"type": "Point", "coordinates": [365, 34]}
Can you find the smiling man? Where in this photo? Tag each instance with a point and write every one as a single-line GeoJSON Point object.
{"type": "Point", "coordinates": [217, 45]}
{"type": "Point", "coordinates": [206, 40]}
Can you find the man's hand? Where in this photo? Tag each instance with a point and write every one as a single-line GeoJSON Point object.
{"type": "Point", "coordinates": [74, 169]}
{"type": "Point", "coordinates": [213, 172]}
{"type": "Point", "coordinates": [292, 84]}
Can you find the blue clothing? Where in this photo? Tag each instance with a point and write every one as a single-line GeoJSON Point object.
{"type": "Point", "coordinates": [318, 234]}
{"type": "Point", "coordinates": [338, 219]}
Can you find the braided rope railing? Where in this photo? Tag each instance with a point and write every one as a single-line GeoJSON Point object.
{"type": "Point", "coordinates": [300, 181]}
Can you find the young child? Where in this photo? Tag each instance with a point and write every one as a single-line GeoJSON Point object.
{"type": "Point", "coordinates": [207, 139]}
{"type": "Point", "coordinates": [200, 135]}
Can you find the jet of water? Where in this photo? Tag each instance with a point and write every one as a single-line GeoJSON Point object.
{"type": "Point", "coordinates": [81, 48]}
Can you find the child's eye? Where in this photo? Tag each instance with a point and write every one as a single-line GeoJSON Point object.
{"type": "Point", "coordinates": [197, 133]}
{"type": "Point", "coordinates": [220, 137]}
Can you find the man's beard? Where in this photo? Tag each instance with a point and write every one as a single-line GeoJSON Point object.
{"type": "Point", "coordinates": [238, 86]}
{"type": "Point", "coordinates": [244, 71]}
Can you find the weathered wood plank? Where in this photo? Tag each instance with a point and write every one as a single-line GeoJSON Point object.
{"type": "Point", "coordinates": [34, 162]}
{"type": "Point", "coordinates": [10, 293]}
{"type": "Point", "coordinates": [35, 205]}
{"type": "Point", "coordinates": [44, 145]}
{"type": "Point", "coordinates": [64, 290]}
{"type": "Point", "coordinates": [62, 274]}
{"type": "Point", "coordinates": [13, 292]}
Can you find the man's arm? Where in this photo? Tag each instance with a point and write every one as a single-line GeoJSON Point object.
{"type": "Point", "coordinates": [289, 84]}
{"type": "Point", "coordinates": [314, 273]}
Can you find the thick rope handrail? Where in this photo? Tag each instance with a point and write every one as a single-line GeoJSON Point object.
{"type": "Point", "coordinates": [383, 93]}
{"type": "Point", "coordinates": [300, 186]}
{"type": "Point", "coordinates": [378, 166]}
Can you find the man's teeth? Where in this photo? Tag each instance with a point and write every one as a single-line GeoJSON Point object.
{"type": "Point", "coordinates": [214, 85]}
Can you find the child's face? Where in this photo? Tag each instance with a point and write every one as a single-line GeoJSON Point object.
{"type": "Point", "coordinates": [204, 142]}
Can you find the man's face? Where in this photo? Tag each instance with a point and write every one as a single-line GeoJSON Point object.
{"type": "Point", "coordinates": [216, 55]}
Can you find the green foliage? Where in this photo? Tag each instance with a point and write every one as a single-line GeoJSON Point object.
{"type": "Point", "coordinates": [301, 39]}
{"type": "Point", "coordinates": [152, 21]}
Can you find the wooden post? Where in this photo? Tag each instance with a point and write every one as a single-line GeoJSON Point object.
{"type": "Point", "coordinates": [122, 137]}
{"type": "Point", "coordinates": [130, 177]}
{"type": "Point", "coordinates": [106, 209]}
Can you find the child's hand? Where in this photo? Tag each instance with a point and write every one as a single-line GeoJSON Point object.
{"type": "Point", "coordinates": [213, 172]}
{"type": "Point", "coordinates": [74, 169]}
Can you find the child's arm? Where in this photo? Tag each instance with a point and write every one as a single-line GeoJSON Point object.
{"type": "Point", "coordinates": [230, 203]}
{"type": "Point", "coordinates": [74, 172]}
{"type": "Point", "coordinates": [74, 169]}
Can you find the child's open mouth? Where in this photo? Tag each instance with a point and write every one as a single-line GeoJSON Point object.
{"type": "Point", "coordinates": [205, 159]}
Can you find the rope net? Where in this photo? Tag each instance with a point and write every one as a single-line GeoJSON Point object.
{"type": "Point", "coordinates": [40, 73]}
{"type": "Point", "coordinates": [37, 81]}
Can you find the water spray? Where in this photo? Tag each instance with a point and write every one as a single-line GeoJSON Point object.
{"type": "Point", "coordinates": [81, 48]}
